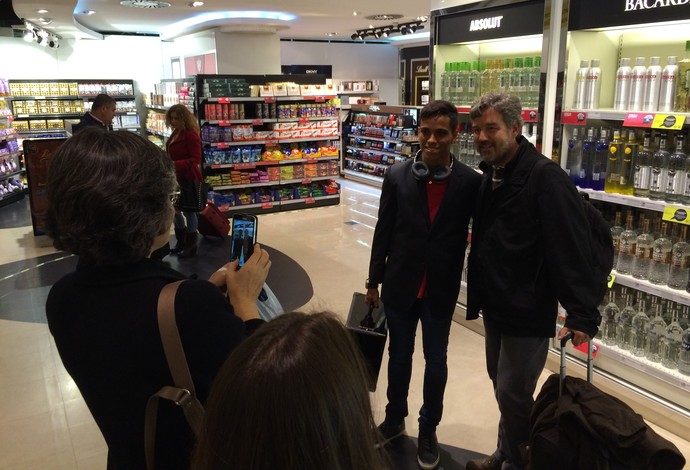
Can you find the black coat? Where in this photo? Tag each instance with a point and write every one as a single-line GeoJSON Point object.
{"type": "Point", "coordinates": [530, 251]}
{"type": "Point", "coordinates": [406, 243]}
{"type": "Point", "coordinates": [105, 327]}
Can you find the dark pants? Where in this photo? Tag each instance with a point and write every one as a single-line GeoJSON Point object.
{"type": "Point", "coordinates": [514, 365]}
{"type": "Point", "coordinates": [402, 328]}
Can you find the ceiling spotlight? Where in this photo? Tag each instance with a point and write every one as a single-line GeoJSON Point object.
{"type": "Point", "coordinates": [29, 35]}
{"type": "Point", "coordinates": [422, 18]}
{"type": "Point", "coordinates": [88, 12]}
{"type": "Point", "coordinates": [403, 29]}
{"type": "Point", "coordinates": [53, 43]}
{"type": "Point", "coordinates": [42, 11]}
{"type": "Point", "coordinates": [412, 28]}
{"type": "Point", "coordinates": [195, 4]}
{"type": "Point", "coordinates": [384, 33]}
{"type": "Point", "coordinates": [377, 34]}
{"type": "Point", "coordinates": [42, 38]}
{"type": "Point", "coordinates": [331, 34]}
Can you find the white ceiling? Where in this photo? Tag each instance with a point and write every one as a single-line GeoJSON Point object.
{"type": "Point", "coordinates": [314, 18]}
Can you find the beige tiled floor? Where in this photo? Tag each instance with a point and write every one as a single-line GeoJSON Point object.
{"type": "Point", "coordinates": [44, 423]}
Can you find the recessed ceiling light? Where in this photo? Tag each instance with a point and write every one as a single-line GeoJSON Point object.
{"type": "Point", "coordinates": [385, 17]}
{"type": "Point", "coordinates": [88, 12]}
{"type": "Point", "coordinates": [355, 13]}
{"type": "Point", "coordinates": [330, 35]}
{"type": "Point", "coordinates": [195, 4]}
{"type": "Point", "coordinates": [42, 11]}
{"type": "Point", "coordinates": [45, 21]}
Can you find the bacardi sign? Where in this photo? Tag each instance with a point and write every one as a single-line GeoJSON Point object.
{"type": "Point", "coordinates": [613, 13]}
{"type": "Point", "coordinates": [649, 4]}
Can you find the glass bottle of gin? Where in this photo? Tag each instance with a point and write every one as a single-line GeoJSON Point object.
{"type": "Point", "coordinates": [655, 333]}
{"type": "Point", "coordinates": [626, 252]}
{"type": "Point", "coordinates": [613, 167]}
{"type": "Point", "coordinates": [609, 319]}
{"type": "Point", "coordinates": [670, 346]}
{"type": "Point", "coordinates": [643, 252]}
{"type": "Point", "coordinates": [642, 167]}
{"type": "Point", "coordinates": [616, 232]}
{"type": "Point", "coordinates": [659, 181]}
{"type": "Point", "coordinates": [638, 331]}
{"type": "Point", "coordinates": [680, 261]}
{"type": "Point", "coordinates": [661, 257]}
{"type": "Point", "coordinates": [624, 326]}
{"type": "Point", "coordinates": [677, 176]}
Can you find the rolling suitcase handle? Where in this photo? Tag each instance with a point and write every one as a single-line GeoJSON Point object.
{"type": "Point", "coordinates": [590, 361]}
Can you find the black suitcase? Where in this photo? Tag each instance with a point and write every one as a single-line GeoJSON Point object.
{"type": "Point", "coordinates": [574, 425]}
{"type": "Point", "coordinates": [369, 329]}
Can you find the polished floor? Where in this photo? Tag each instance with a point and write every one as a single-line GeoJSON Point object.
{"type": "Point", "coordinates": [44, 423]}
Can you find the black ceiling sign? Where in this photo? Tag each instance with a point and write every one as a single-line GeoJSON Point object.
{"type": "Point", "coordinates": [625, 12]}
{"type": "Point", "coordinates": [326, 70]}
{"type": "Point", "coordinates": [520, 19]}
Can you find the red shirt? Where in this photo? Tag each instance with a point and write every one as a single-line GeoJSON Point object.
{"type": "Point", "coordinates": [434, 196]}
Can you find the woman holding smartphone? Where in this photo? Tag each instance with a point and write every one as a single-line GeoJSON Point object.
{"type": "Point", "coordinates": [184, 148]}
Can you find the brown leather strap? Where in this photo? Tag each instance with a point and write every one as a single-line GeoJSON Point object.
{"type": "Point", "coordinates": [183, 393]}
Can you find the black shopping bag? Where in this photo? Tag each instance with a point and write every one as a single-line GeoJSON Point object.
{"type": "Point", "coordinates": [369, 330]}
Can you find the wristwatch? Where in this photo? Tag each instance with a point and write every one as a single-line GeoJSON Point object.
{"type": "Point", "coordinates": [371, 285]}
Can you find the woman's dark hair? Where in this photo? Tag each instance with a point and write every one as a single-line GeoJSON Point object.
{"type": "Point", "coordinates": [293, 396]}
{"type": "Point", "coordinates": [184, 115]}
{"type": "Point", "coordinates": [109, 196]}
{"type": "Point", "coordinates": [441, 108]}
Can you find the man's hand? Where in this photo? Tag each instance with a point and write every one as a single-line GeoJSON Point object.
{"type": "Point", "coordinates": [579, 337]}
{"type": "Point", "coordinates": [372, 297]}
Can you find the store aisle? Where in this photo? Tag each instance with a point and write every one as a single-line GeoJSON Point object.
{"type": "Point", "coordinates": [45, 424]}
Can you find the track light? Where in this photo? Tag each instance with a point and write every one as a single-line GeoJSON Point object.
{"type": "Point", "coordinates": [29, 35]}
{"type": "Point", "coordinates": [377, 34]}
{"type": "Point", "coordinates": [412, 28]}
{"type": "Point", "coordinates": [42, 36]}
{"type": "Point", "coordinates": [385, 31]}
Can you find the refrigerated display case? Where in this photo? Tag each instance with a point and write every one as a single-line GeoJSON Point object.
{"type": "Point", "coordinates": [573, 34]}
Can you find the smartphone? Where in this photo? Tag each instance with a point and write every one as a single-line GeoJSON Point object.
{"type": "Point", "coordinates": [244, 230]}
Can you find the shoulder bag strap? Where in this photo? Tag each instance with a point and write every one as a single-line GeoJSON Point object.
{"type": "Point", "coordinates": [183, 393]}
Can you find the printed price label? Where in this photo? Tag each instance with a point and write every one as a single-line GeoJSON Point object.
{"type": "Point", "coordinates": [638, 120]}
{"type": "Point", "coordinates": [267, 205]}
{"type": "Point", "coordinates": [311, 160]}
{"type": "Point", "coordinates": [574, 118]}
{"type": "Point", "coordinates": [258, 122]}
{"type": "Point", "coordinates": [222, 145]}
{"type": "Point", "coordinates": [320, 99]}
{"type": "Point", "coordinates": [668, 121]}
{"type": "Point", "coordinates": [529, 115]}
{"type": "Point", "coordinates": [463, 109]}
{"type": "Point", "coordinates": [309, 200]}
{"type": "Point", "coordinates": [584, 346]}
{"type": "Point", "coordinates": [244, 166]}
{"type": "Point", "coordinates": [611, 280]}
{"type": "Point", "coordinates": [303, 120]}
{"type": "Point", "coordinates": [271, 143]}
{"type": "Point", "coordinates": [224, 123]}
{"type": "Point", "coordinates": [306, 181]}
{"type": "Point", "coordinates": [676, 214]}
{"type": "Point", "coordinates": [269, 99]}
{"type": "Point", "coordinates": [224, 100]}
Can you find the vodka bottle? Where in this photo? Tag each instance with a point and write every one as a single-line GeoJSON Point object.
{"type": "Point", "coordinates": [627, 247]}
{"type": "Point", "coordinates": [609, 319]}
{"type": "Point", "coordinates": [514, 84]}
{"type": "Point", "coordinates": [684, 317]}
{"type": "Point", "coordinates": [627, 170]}
{"type": "Point", "coordinates": [652, 83]}
{"type": "Point", "coordinates": [485, 76]}
{"type": "Point", "coordinates": [670, 346]}
{"type": "Point", "coordinates": [661, 258]}
{"type": "Point", "coordinates": [534, 78]}
{"type": "Point", "coordinates": [574, 159]}
{"type": "Point", "coordinates": [655, 333]}
{"type": "Point", "coordinates": [581, 85]}
{"type": "Point", "coordinates": [624, 325]}
{"type": "Point", "coordinates": [455, 85]}
{"type": "Point", "coordinates": [684, 353]}
{"type": "Point", "coordinates": [680, 261]}
{"type": "Point", "coordinates": [473, 83]}
{"type": "Point", "coordinates": [667, 89]}
{"type": "Point", "coordinates": [677, 173]}
{"type": "Point", "coordinates": [621, 99]}
{"type": "Point", "coordinates": [637, 82]}
{"type": "Point", "coordinates": [659, 180]}
{"type": "Point", "coordinates": [463, 81]}
{"type": "Point", "coordinates": [643, 253]}
{"type": "Point", "coordinates": [614, 165]}
{"type": "Point", "coordinates": [593, 87]}
{"type": "Point", "coordinates": [533, 135]}
{"type": "Point", "coordinates": [601, 152]}
{"type": "Point", "coordinates": [642, 167]}
{"type": "Point", "coordinates": [445, 82]}
{"type": "Point", "coordinates": [638, 331]}
{"type": "Point", "coordinates": [588, 149]}
{"type": "Point", "coordinates": [616, 232]}
{"type": "Point", "coordinates": [682, 103]}
{"type": "Point", "coordinates": [462, 146]}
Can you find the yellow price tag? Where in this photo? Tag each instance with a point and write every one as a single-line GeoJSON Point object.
{"type": "Point", "coordinates": [611, 280]}
{"type": "Point", "coordinates": [668, 121]}
{"type": "Point", "coordinates": [676, 214]}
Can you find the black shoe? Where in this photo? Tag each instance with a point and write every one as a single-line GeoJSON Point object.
{"type": "Point", "coordinates": [428, 454]}
{"type": "Point", "coordinates": [389, 431]}
{"type": "Point", "coordinates": [487, 463]}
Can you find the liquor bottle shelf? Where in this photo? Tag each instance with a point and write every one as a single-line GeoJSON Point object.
{"type": "Point", "coordinates": [605, 114]}
{"type": "Point", "coordinates": [680, 296]}
{"type": "Point", "coordinates": [381, 139]}
{"type": "Point", "coordinates": [366, 176]}
{"type": "Point", "coordinates": [378, 152]}
{"type": "Point", "coordinates": [367, 163]}
{"type": "Point", "coordinates": [632, 201]}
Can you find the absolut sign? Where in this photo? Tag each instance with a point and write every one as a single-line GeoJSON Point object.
{"type": "Point", "coordinates": [625, 12]}
{"type": "Point", "coordinates": [457, 25]}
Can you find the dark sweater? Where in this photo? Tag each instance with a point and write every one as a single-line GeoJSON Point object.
{"type": "Point", "coordinates": [105, 327]}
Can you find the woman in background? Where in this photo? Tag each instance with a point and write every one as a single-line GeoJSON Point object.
{"type": "Point", "coordinates": [110, 204]}
{"type": "Point", "coordinates": [184, 148]}
{"type": "Point", "coordinates": [293, 396]}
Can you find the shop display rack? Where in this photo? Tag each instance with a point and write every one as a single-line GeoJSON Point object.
{"type": "Point", "coordinates": [376, 137]}
{"type": "Point", "coordinates": [167, 93]}
{"type": "Point", "coordinates": [270, 142]}
{"type": "Point", "coordinates": [11, 172]}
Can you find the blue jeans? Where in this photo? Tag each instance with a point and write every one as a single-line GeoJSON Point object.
{"type": "Point", "coordinates": [514, 365]}
{"type": "Point", "coordinates": [192, 221]}
{"type": "Point", "coordinates": [402, 328]}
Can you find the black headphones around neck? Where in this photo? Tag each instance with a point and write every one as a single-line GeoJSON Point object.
{"type": "Point", "coordinates": [422, 172]}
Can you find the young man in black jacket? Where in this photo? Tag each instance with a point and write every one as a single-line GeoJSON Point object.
{"type": "Point", "coordinates": [528, 253]}
{"type": "Point", "coordinates": [417, 254]}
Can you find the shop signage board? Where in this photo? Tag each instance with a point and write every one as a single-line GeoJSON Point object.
{"type": "Point", "coordinates": [624, 12]}
{"type": "Point", "coordinates": [521, 19]}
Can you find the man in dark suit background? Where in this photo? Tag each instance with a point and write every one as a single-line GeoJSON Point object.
{"type": "Point", "coordinates": [102, 112]}
{"type": "Point", "coordinates": [417, 255]}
